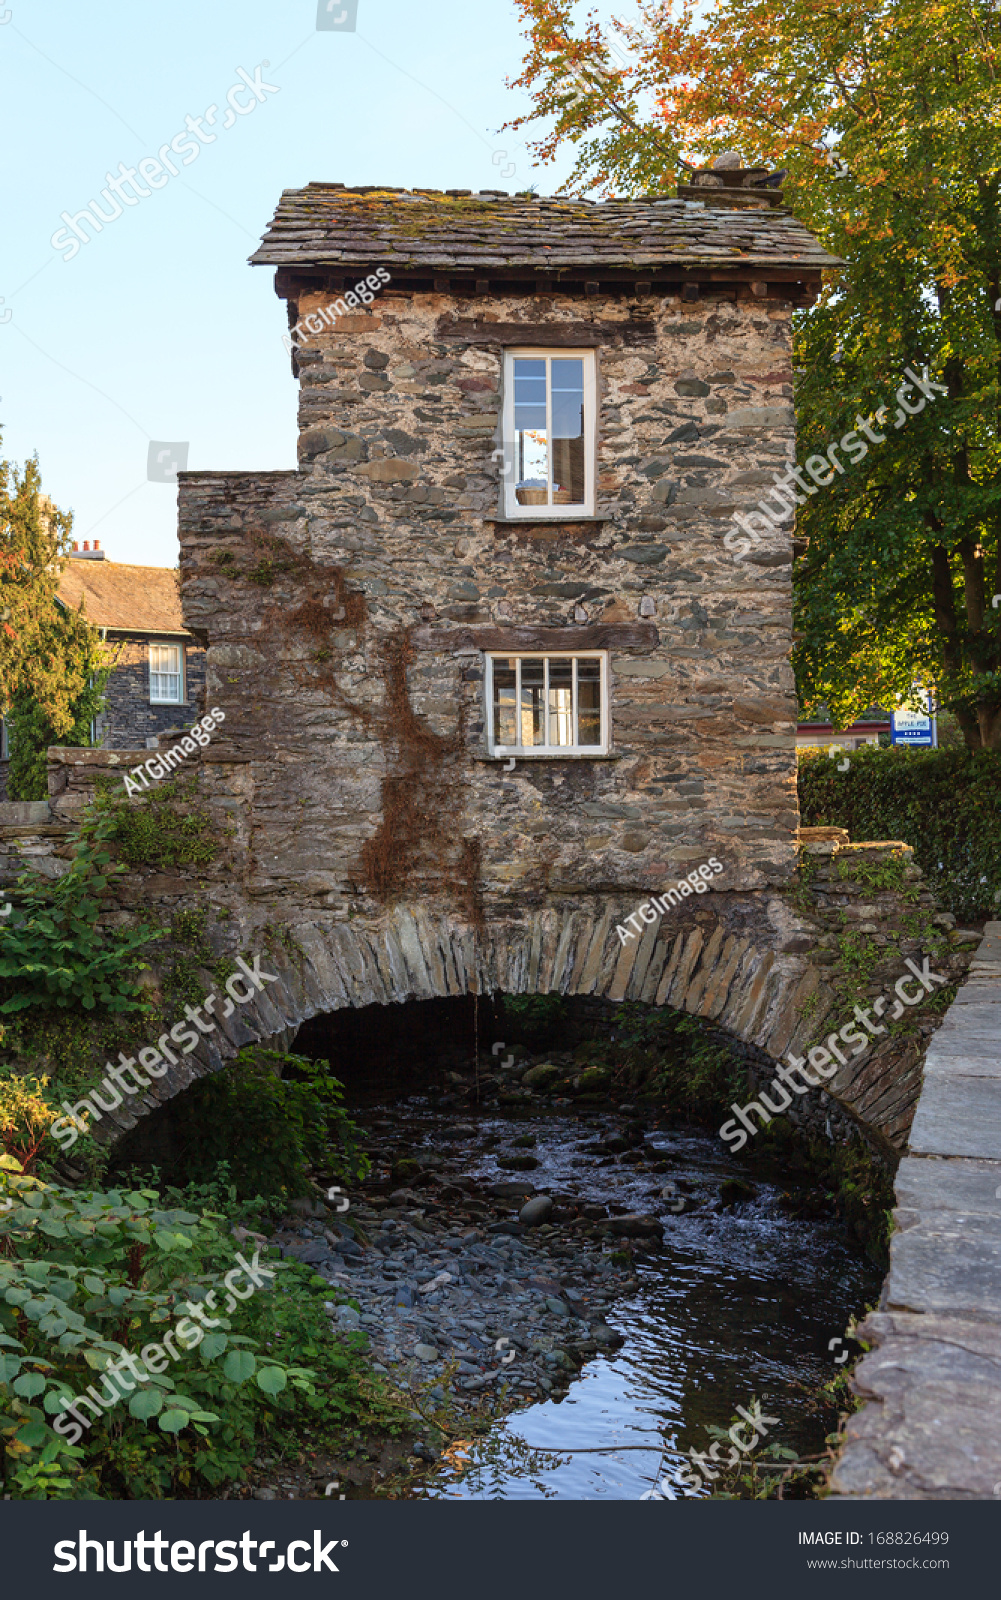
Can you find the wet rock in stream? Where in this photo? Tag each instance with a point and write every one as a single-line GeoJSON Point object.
{"type": "Point", "coordinates": [469, 1287]}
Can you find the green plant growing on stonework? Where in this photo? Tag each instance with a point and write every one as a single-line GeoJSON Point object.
{"type": "Point", "coordinates": [188, 955]}
{"type": "Point", "coordinates": [538, 1020]}
{"type": "Point", "coordinates": [165, 828]}
{"type": "Point", "coordinates": [677, 1060]}
{"type": "Point", "coordinates": [858, 957]}
{"type": "Point", "coordinates": [54, 953]}
{"type": "Point", "coordinates": [879, 875]}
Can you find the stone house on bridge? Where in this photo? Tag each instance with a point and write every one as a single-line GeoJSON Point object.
{"type": "Point", "coordinates": [496, 687]}
{"type": "Point", "coordinates": [488, 637]}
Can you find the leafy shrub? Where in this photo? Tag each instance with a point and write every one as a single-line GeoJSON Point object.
{"type": "Point", "coordinates": [87, 1276]}
{"type": "Point", "coordinates": [30, 725]}
{"type": "Point", "coordinates": [84, 1276]}
{"type": "Point", "coordinates": [269, 1128]}
{"type": "Point", "coordinates": [678, 1061]}
{"type": "Point", "coordinates": [25, 1116]}
{"type": "Point", "coordinates": [946, 804]}
{"type": "Point", "coordinates": [53, 951]}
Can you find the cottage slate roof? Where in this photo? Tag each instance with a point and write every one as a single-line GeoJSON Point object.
{"type": "Point", "coordinates": [330, 225]}
{"type": "Point", "coordinates": [124, 598]}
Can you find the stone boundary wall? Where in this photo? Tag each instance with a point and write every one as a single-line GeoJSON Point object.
{"type": "Point", "coordinates": [931, 1428]}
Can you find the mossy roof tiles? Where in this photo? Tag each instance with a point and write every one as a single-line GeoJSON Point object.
{"type": "Point", "coordinates": [329, 225]}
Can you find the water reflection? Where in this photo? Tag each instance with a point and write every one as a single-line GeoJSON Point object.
{"type": "Point", "coordinates": [737, 1304]}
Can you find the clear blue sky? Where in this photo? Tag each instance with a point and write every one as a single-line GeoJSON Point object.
{"type": "Point", "coordinates": [157, 329]}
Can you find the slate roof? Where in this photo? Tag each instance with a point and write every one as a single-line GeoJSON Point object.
{"type": "Point", "coordinates": [330, 225]}
{"type": "Point", "coordinates": [125, 598]}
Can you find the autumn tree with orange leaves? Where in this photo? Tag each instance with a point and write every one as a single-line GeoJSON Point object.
{"type": "Point", "coordinates": [886, 117]}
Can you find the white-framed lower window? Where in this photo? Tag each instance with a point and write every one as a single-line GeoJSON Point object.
{"type": "Point", "coordinates": [540, 705]}
{"type": "Point", "coordinates": [166, 674]}
{"type": "Point", "coordinates": [549, 433]}
{"type": "Point", "coordinates": [4, 740]}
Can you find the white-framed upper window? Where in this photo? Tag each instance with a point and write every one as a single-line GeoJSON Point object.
{"type": "Point", "coordinates": [166, 674]}
{"type": "Point", "coordinates": [548, 704]}
{"type": "Point", "coordinates": [549, 433]}
{"type": "Point", "coordinates": [4, 741]}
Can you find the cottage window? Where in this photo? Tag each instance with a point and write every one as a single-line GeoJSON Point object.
{"type": "Point", "coordinates": [547, 705]}
{"type": "Point", "coordinates": [166, 674]}
{"type": "Point", "coordinates": [549, 433]}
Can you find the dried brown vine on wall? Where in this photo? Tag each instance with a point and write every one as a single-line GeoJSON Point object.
{"type": "Point", "coordinates": [417, 843]}
{"type": "Point", "coordinates": [417, 846]}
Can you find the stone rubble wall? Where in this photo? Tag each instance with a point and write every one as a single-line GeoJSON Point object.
{"type": "Point", "coordinates": [931, 1425]}
{"type": "Point", "coordinates": [755, 964]}
{"type": "Point", "coordinates": [396, 498]}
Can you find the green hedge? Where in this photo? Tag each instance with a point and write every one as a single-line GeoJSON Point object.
{"type": "Point", "coordinates": [945, 803]}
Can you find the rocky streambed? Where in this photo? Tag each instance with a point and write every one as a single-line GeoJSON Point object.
{"type": "Point", "coordinates": [527, 1256]}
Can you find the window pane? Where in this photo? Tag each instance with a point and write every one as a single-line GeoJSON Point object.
{"type": "Point", "coordinates": [588, 701]}
{"type": "Point", "coordinates": [568, 431]}
{"type": "Point", "coordinates": [560, 700]}
{"type": "Point", "coordinates": [568, 399]}
{"type": "Point", "coordinates": [505, 703]}
{"type": "Point", "coordinates": [532, 702]}
{"type": "Point", "coordinates": [531, 437]}
{"type": "Point", "coordinates": [165, 672]}
{"type": "Point", "coordinates": [529, 394]}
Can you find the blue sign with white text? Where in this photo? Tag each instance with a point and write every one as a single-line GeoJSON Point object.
{"type": "Point", "coordinates": [913, 727]}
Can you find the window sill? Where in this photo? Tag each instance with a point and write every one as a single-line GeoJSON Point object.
{"type": "Point", "coordinates": [515, 522]}
{"type": "Point", "coordinates": [546, 755]}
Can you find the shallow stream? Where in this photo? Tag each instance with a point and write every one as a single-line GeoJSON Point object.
{"type": "Point", "coordinates": [740, 1301]}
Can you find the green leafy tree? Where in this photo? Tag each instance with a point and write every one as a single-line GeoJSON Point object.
{"type": "Point", "coordinates": [884, 114]}
{"type": "Point", "coordinates": [34, 540]}
{"type": "Point", "coordinates": [64, 638]}
{"type": "Point", "coordinates": [53, 664]}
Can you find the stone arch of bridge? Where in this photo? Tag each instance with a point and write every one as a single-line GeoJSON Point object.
{"type": "Point", "coordinates": [719, 967]}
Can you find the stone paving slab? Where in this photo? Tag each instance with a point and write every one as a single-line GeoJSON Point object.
{"type": "Point", "coordinates": [932, 1427]}
{"type": "Point", "coordinates": [958, 1116]}
{"type": "Point", "coordinates": [968, 1059]}
{"type": "Point", "coordinates": [949, 1265]}
{"type": "Point", "coordinates": [929, 1185]}
{"type": "Point", "coordinates": [978, 1020]}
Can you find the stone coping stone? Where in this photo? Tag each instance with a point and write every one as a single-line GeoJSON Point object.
{"type": "Point", "coordinates": [958, 1116]}
{"type": "Point", "coordinates": [933, 1428]}
{"type": "Point", "coordinates": [933, 1183]}
{"type": "Point", "coordinates": [22, 813]}
{"type": "Point", "coordinates": [948, 1263]}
